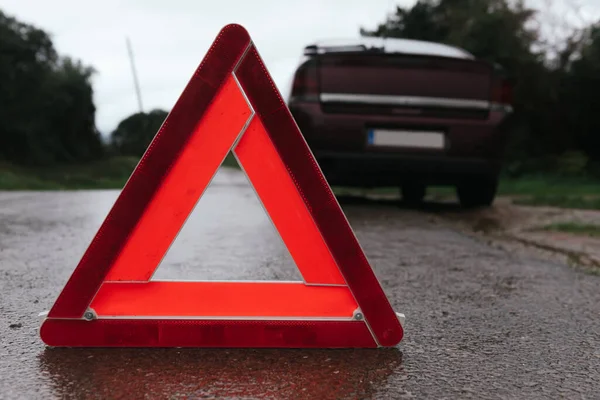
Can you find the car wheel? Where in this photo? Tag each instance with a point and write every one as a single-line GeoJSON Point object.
{"type": "Point", "coordinates": [478, 192]}
{"type": "Point", "coordinates": [413, 193]}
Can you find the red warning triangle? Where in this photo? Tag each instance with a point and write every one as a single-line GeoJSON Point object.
{"type": "Point", "coordinates": [232, 103]}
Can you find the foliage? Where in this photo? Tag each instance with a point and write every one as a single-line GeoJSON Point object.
{"type": "Point", "coordinates": [556, 88]}
{"type": "Point", "coordinates": [47, 113]}
{"type": "Point", "coordinates": [134, 133]}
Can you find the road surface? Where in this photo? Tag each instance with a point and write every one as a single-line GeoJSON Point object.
{"type": "Point", "coordinates": [481, 322]}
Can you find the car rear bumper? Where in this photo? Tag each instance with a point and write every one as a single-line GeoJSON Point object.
{"type": "Point", "coordinates": [371, 170]}
{"type": "Point", "coordinates": [339, 142]}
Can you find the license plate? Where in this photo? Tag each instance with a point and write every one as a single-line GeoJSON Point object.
{"type": "Point", "coordinates": [405, 138]}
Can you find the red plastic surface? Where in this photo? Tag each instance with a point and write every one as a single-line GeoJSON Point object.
{"type": "Point", "coordinates": [223, 299]}
{"type": "Point", "coordinates": [206, 333]}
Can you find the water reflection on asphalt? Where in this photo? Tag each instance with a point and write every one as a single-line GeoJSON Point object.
{"type": "Point", "coordinates": [172, 373]}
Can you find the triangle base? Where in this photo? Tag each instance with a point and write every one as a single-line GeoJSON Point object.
{"type": "Point", "coordinates": [206, 333]}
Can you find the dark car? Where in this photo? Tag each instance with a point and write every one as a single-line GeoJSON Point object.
{"type": "Point", "coordinates": [404, 113]}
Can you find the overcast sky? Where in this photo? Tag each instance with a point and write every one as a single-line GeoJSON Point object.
{"type": "Point", "coordinates": [170, 38]}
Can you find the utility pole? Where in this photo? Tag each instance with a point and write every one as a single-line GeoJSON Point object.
{"type": "Point", "coordinates": [135, 79]}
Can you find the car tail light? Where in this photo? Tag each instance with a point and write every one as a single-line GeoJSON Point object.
{"type": "Point", "coordinates": [503, 92]}
{"type": "Point", "coordinates": [306, 84]}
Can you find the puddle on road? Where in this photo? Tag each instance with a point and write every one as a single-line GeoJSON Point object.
{"type": "Point", "coordinates": [174, 373]}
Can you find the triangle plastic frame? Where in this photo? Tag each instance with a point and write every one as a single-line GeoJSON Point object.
{"type": "Point", "coordinates": [230, 103]}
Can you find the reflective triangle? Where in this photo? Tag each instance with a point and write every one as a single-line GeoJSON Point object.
{"type": "Point", "coordinates": [231, 103]}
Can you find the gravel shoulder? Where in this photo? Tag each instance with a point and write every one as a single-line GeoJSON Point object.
{"type": "Point", "coordinates": [522, 228]}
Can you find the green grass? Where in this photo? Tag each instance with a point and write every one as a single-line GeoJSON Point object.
{"type": "Point", "coordinates": [549, 186]}
{"type": "Point", "coordinates": [565, 201]}
{"type": "Point", "coordinates": [577, 193]}
{"type": "Point", "coordinates": [106, 174]}
{"type": "Point", "coordinates": [546, 191]}
{"type": "Point", "coordinates": [230, 161]}
{"type": "Point", "coordinates": [575, 228]}
{"type": "Point", "coordinates": [111, 173]}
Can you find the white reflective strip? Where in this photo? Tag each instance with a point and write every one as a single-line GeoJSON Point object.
{"type": "Point", "coordinates": [403, 100]}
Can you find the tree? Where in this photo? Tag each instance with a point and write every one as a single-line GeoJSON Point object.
{"type": "Point", "coordinates": [419, 22]}
{"type": "Point", "coordinates": [493, 30]}
{"type": "Point", "coordinates": [581, 87]}
{"type": "Point", "coordinates": [134, 133]}
{"type": "Point", "coordinates": [47, 113]}
{"type": "Point", "coordinates": [550, 117]}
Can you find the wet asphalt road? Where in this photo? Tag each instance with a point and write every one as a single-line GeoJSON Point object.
{"type": "Point", "coordinates": [481, 322]}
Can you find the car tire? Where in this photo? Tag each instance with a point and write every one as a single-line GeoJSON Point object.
{"type": "Point", "coordinates": [477, 192]}
{"type": "Point", "coordinates": [413, 193]}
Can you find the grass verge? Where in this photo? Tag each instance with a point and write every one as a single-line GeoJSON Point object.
{"type": "Point", "coordinates": [574, 228]}
{"type": "Point", "coordinates": [573, 202]}
{"type": "Point", "coordinates": [549, 186]}
{"type": "Point", "coordinates": [111, 173]}
{"type": "Point", "coordinates": [550, 191]}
